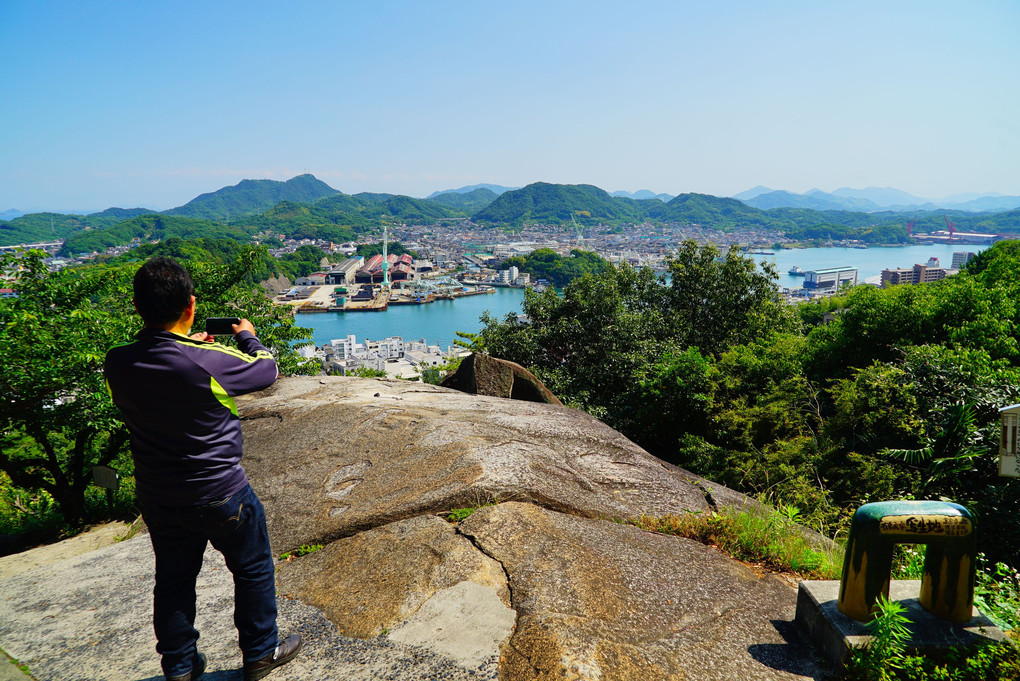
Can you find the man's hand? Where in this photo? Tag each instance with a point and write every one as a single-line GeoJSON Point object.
{"type": "Point", "coordinates": [202, 336]}
{"type": "Point", "coordinates": [244, 325]}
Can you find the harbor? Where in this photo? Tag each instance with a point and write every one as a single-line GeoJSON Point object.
{"type": "Point", "coordinates": [437, 321]}
{"type": "Point", "coordinates": [440, 319]}
{"type": "Point", "coordinates": [311, 298]}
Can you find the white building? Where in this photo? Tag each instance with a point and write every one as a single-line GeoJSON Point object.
{"type": "Point", "coordinates": [346, 348]}
{"type": "Point", "coordinates": [344, 272]}
{"type": "Point", "coordinates": [961, 258]}
{"type": "Point", "coordinates": [393, 355]}
{"type": "Point", "coordinates": [313, 279]}
{"type": "Point", "coordinates": [830, 277]}
{"type": "Point", "coordinates": [390, 348]}
{"type": "Point", "coordinates": [508, 276]}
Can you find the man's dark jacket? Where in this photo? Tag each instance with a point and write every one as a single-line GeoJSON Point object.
{"type": "Point", "coordinates": [177, 397]}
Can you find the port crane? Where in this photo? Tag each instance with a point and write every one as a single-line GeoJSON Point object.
{"type": "Point", "coordinates": [951, 226]}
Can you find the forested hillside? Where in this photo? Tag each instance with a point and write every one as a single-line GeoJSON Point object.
{"type": "Point", "coordinates": [545, 263]}
{"type": "Point", "coordinates": [467, 202]}
{"type": "Point", "coordinates": [150, 227]}
{"type": "Point", "coordinates": [896, 397]}
{"type": "Point", "coordinates": [253, 196]}
{"type": "Point", "coordinates": [560, 203]}
{"type": "Point", "coordinates": [342, 216]}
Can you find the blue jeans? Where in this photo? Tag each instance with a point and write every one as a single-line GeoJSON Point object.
{"type": "Point", "coordinates": [236, 527]}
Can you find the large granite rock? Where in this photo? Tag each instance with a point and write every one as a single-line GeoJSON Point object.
{"type": "Point", "coordinates": [377, 579]}
{"type": "Point", "coordinates": [334, 456]}
{"type": "Point", "coordinates": [542, 586]}
{"type": "Point", "coordinates": [480, 374]}
{"type": "Point", "coordinates": [600, 600]}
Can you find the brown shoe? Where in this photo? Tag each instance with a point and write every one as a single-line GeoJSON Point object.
{"type": "Point", "coordinates": [284, 653]}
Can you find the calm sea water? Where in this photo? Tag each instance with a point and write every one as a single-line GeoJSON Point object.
{"type": "Point", "coordinates": [437, 322]}
{"type": "Point", "coordinates": [869, 261]}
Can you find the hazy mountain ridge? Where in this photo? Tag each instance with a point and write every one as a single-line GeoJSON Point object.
{"type": "Point", "coordinates": [643, 194]}
{"type": "Point", "coordinates": [496, 189]}
{"type": "Point", "coordinates": [757, 190]}
{"type": "Point", "coordinates": [874, 199]}
{"type": "Point", "coordinates": [814, 200]}
{"type": "Point", "coordinates": [469, 202]}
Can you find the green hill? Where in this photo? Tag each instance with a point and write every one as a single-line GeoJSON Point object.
{"type": "Point", "coordinates": [112, 216]}
{"type": "Point", "coordinates": [557, 203]}
{"type": "Point", "coordinates": [372, 197]}
{"type": "Point", "coordinates": [468, 202]}
{"type": "Point", "coordinates": [340, 217]}
{"type": "Point", "coordinates": [150, 228]}
{"type": "Point", "coordinates": [709, 211]}
{"type": "Point", "coordinates": [413, 211]}
{"type": "Point", "coordinates": [37, 227]}
{"type": "Point", "coordinates": [251, 197]}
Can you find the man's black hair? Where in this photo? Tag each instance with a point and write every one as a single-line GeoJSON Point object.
{"type": "Point", "coordinates": [162, 290]}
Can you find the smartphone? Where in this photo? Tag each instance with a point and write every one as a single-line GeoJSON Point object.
{"type": "Point", "coordinates": [221, 326]}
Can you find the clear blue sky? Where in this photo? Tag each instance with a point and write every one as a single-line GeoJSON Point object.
{"type": "Point", "coordinates": [152, 103]}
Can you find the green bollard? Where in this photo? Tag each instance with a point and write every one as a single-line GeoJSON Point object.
{"type": "Point", "coordinates": [949, 534]}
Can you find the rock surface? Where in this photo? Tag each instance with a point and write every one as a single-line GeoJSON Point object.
{"type": "Point", "coordinates": [465, 622]}
{"type": "Point", "coordinates": [89, 618]}
{"type": "Point", "coordinates": [543, 585]}
{"type": "Point", "coordinates": [480, 374]}
{"type": "Point", "coordinates": [330, 457]}
{"type": "Point", "coordinates": [96, 538]}
{"type": "Point", "coordinates": [377, 579]}
{"type": "Point", "coordinates": [600, 600]}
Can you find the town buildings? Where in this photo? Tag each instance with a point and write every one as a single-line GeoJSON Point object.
{"type": "Point", "coordinates": [393, 355]}
{"type": "Point", "coordinates": [918, 274]}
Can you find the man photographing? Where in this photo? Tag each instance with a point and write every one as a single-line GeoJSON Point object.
{"type": "Point", "coordinates": [176, 394]}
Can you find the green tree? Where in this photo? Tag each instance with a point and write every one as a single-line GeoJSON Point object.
{"type": "Point", "coordinates": [368, 372]}
{"type": "Point", "coordinates": [58, 421]}
{"type": "Point", "coordinates": [627, 346]}
{"type": "Point", "coordinates": [716, 301]}
{"type": "Point", "coordinates": [57, 417]}
{"type": "Point", "coordinates": [303, 261]}
{"type": "Point", "coordinates": [393, 248]}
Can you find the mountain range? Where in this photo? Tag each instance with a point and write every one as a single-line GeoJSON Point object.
{"type": "Point", "coordinates": [642, 194]}
{"type": "Point", "coordinates": [874, 199]}
{"type": "Point", "coordinates": [305, 207]}
{"type": "Point", "coordinates": [496, 189]}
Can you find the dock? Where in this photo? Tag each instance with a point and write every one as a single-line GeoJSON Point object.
{"type": "Point", "coordinates": [373, 298]}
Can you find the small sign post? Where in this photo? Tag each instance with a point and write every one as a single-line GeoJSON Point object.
{"type": "Point", "coordinates": [108, 478]}
{"type": "Point", "coordinates": [1008, 459]}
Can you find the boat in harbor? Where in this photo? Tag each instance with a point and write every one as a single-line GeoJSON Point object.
{"type": "Point", "coordinates": [796, 271]}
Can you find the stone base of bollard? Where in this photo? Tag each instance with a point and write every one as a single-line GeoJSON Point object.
{"type": "Point", "coordinates": [834, 634]}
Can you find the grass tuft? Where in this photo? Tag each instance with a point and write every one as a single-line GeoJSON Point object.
{"type": "Point", "coordinates": [766, 539]}
{"type": "Point", "coordinates": [302, 550]}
